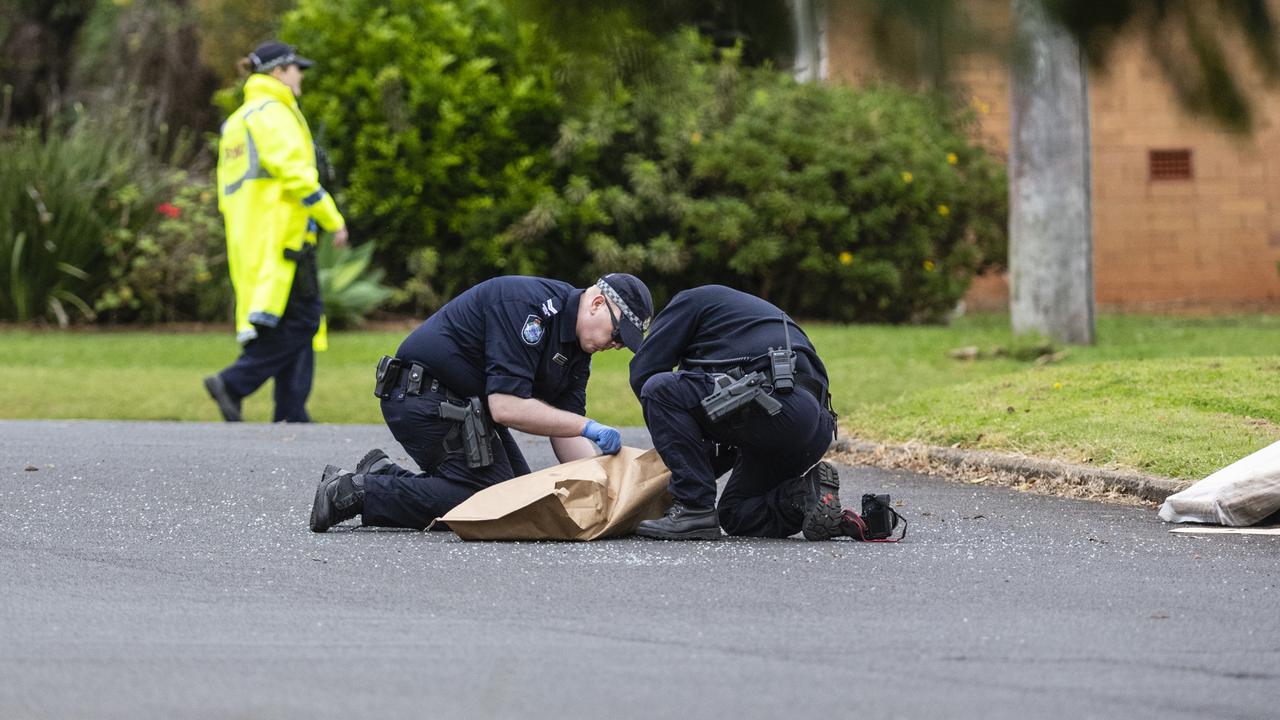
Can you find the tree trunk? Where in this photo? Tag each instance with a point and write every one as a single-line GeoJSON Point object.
{"type": "Point", "coordinates": [809, 19]}
{"type": "Point", "coordinates": [1050, 219]}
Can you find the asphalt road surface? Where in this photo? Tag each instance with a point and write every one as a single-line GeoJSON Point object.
{"type": "Point", "coordinates": [154, 570]}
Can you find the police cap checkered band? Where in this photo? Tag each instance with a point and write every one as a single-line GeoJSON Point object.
{"type": "Point", "coordinates": [283, 61]}
{"type": "Point", "coordinates": [613, 295]}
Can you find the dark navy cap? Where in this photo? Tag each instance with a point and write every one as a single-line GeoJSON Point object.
{"type": "Point", "coordinates": [633, 299]}
{"type": "Point", "coordinates": [271, 55]}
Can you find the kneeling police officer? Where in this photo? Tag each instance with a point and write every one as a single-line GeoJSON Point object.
{"type": "Point", "coordinates": [749, 393]}
{"type": "Point", "coordinates": [510, 352]}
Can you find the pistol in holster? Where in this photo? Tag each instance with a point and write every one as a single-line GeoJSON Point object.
{"type": "Point", "coordinates": [475, 428]}
{"type": "Point", "coordinates": [733, 394]}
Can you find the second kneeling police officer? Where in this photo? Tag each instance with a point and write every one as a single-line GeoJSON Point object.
{"type": "Point", "coordinates": [751, 393]}
{"type": "Point", "coordinates": [511, 352]}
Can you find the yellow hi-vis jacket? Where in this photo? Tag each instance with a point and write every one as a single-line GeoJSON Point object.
{"type": "Point", "coordinates": [270, 197]}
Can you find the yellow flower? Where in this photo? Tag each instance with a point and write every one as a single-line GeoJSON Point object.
{"type": "Point", "coordinates": [952, 159]}
{"type": "Point", "coordinates": [1057, 386]}
{"type": "Point", "coordinates": [695, 138]}
{"type": "Point", "coordinates": [943, 210]}
{"type": "Point", "coordinates": [928, 266]}
{"type": "Point", "coordinates": [907, 177]}
{"type": "Point", "coordinates": [846, 258]}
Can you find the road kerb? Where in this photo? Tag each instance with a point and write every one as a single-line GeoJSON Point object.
{"type": "Point", "coordinates": [959, 464]}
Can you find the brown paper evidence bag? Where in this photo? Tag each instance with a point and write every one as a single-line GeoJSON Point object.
{"type": "Point", "coordinates": [598, 497]}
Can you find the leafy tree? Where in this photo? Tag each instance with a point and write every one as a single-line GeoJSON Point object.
{"type": "Point", "coordinates": [238, 26]}
{"type": "Point", "coordinates": [439, 117]}
{"type": "Point", "coordinates": [145, 54]}
{"type": "Point", "coordinates": [834, 202]}
{"type": "Point", "coordinates": [1187, 39]}
{"type": "Point", "coordinates": [35, 64]}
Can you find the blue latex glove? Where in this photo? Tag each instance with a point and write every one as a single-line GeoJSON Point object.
{"type": "Point", "coordinates": [609, 439]}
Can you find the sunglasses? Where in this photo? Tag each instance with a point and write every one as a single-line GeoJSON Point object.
{"type": "Point", "coordinates": [617, 328]}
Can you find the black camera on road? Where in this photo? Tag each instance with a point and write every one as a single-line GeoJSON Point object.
{"type": "Point", "coordinates": [880, 517]}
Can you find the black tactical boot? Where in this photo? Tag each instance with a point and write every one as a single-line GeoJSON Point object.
{"type": "Point", "coordinates": [820, 489]}
{"type": "Point", "coordinates": [339, 496]}
{"type": "Point", "coordinates": [373, 462]}
{"type": "Point", "coordinates": [229, 406]}
{"type": "Point", "coordinates": [682, 523]}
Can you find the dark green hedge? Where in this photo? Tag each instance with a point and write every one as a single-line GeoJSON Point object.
{"type": "Point", "coordinates": [461, 161]}
{"type": "Point", "coordinates": [847, 204]}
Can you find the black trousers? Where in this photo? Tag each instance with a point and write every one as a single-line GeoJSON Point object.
{"type": "Point", "coordinates": [770, 451]}
{"type": "Point", "coordinates": [282, 353]}
{"type": "Point", "coordinates": [399, 497]}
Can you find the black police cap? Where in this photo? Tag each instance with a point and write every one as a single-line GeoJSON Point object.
{"type": "Point", "coordinates": [633, 299]}
{"type": "Point", "coordinates": [271, 55]}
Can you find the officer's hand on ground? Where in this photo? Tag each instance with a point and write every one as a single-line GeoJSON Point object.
{"type": "Point", "coordinates": [340, 237]}
{"type": "Point", "coordinates": [609, 439]}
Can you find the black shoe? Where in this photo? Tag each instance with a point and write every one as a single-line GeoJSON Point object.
{"type": "Point", "coordinates": [682, 523]}
{"type": "Point", "coordinates": [339, 497]}
{"type": "Point", "coordinates": [823, 516]}
{"type": "Point", "coordinates": [227, 405]}
{"type": "Point", "coordinates": [373, 462]}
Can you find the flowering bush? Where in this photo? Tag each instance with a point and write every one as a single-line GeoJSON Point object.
{"type": "Point", "coordinates": [174, 268]}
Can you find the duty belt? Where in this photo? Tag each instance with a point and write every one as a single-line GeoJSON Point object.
{"type": "Point", "coordinates": [392, 369]}
{"type": "Point", "coordinates": [813, 385]}
{"type": "Point", "coordinates": [473, 434]}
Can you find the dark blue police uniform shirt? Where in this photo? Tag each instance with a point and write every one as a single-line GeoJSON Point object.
{"type": "Point", "coordinates": [511, 335]}
{"type": "Point", "coordinates": [717, 322]}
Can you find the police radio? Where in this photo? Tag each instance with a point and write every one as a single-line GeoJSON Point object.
{"type": "Point", "coordinates": [782, 363]}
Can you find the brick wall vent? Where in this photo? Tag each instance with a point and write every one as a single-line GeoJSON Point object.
{"type": "Point", "coordinates": [1170, 164]}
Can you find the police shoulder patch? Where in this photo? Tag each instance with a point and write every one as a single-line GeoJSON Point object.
{"type": "Point", "coordinates": [532, 331]}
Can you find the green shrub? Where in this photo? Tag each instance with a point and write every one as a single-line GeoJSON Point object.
{"type": "Point", "coordinates": [439, 117]}
{"type": "Point", "coordinates": [63, 194]}
{"type": "Point", "coordinates": [175, 268]}
{"type": "Point", "coordinates": [833, 202]}
{"type": "Point", "coordinates": [350, 287]}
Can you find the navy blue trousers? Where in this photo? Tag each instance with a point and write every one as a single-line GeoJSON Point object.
{"type": "Point", "coordinates": [399, 497]}
{"type": "Point", "coordinates": [282, 353]}
{"type": "Point", "coordinates": [770, 451]}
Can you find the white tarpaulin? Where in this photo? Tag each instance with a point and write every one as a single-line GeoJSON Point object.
{"type": "Point", "coordinates": [1239, 494]}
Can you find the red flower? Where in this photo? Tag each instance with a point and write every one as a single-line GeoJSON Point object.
{"type": "Point", "coordinates": [168, 210]}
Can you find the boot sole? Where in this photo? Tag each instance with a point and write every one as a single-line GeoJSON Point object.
{"type": "Point", "coordinates": [825, 521]}
{"type": "Point", "coordinates": [700, 534]}
{"type": "Point", "coordinates": [366, 462]}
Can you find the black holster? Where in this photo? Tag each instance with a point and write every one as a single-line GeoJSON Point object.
{"type": "Point", "coordinates": [387, 376]}
{"type": "Point", "coordinates": [731, 394]}
{"type": "Point", "coordinates": [306, 279]}
{"type": "Point", "coordinates": [475, 429]}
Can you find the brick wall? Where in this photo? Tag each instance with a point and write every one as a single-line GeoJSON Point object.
{"type": "Point", "coordinates": [1205, 244]}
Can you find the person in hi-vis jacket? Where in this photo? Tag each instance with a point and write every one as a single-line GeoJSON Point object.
{"type": "Point", "coordinates": [270, 196]}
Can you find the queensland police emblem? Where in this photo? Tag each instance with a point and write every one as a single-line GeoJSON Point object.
{"type": "Point", "coordinates": [532, 332]}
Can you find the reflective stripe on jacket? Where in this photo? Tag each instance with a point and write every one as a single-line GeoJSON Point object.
{"type": "Point", "coordinates": [270, 196]}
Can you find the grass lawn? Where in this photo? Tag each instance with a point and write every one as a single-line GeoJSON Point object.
{"type": "Point", "coordinates": [1179, 397]}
